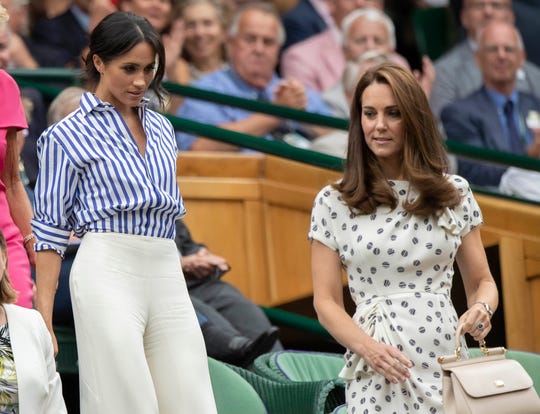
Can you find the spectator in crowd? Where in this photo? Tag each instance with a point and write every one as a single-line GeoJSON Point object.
{"type": "Point", "coordinates": [205, 23]}
{"type": "Point", "coordinates": [30, 383]}
{"type": "Point", "coordinates": [253, 42]}
{"type": "Point", "coordinates": [235, 329]}
{"type": "Point", "coordinates": [527, 12]}
{"type": "Point", "coordinates": [494, 116]}
{"type": "Point", "coordinates": [139, 344]}
{"type": "Point", "coordinates": [371, 29]}
{"type": "Point", "coordinates": [15, 208]}
{"type": "Point", "coordinates": [58, 33]}
{"type": "Point", "coordinates": [20, 56]}
{"type": "Point", "coordinates": [458, 75]}
{"type": "Point", "coordinates": [303, 19]}
{"type": "Point", "coordinates": [34, 108]}
{"type": "Point", "coordinates": [318, 62]}
{"type": "Point", "coordinates": [162, 17]}
{"type": "Point", "coordinates": [397, 223]}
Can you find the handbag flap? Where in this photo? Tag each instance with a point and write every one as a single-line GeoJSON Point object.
{"type": "Point", "coordinates": [491, 377]}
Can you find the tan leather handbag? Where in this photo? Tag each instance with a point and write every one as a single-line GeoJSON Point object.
{"type": "Point", "coordinates": [490, 384]}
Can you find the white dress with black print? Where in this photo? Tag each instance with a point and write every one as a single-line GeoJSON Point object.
{"type": "Point", "coordinates": [399, 269]}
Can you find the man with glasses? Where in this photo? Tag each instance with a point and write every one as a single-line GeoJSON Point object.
{"type": "Point", "coordinates": [497, 116]}
{"type": "Point", "coordinates": [457, 72]}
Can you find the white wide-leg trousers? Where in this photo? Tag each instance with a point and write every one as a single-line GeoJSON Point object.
{"type": "Point", "coordinates": [139, 343]}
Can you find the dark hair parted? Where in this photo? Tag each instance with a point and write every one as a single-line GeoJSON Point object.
{"type": "Point", "coordinates": [7, 293]}
{"type": "Point", "coordinates": [116, 35]}
{"type": "Point", "coordinates": [364, 186]}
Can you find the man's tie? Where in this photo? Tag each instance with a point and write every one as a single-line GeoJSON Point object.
{"type": "Point", "coordinates": [516, 145]}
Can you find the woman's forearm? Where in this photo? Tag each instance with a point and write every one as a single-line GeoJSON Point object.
{"type": "Point", "coordinates": [47, 272]}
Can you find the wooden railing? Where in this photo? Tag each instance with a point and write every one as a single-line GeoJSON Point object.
{"type": "Point", "coordinates": [255, 211]}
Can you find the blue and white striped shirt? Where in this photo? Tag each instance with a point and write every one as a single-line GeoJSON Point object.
{"type": "Point", "coordinates": [92, 177]}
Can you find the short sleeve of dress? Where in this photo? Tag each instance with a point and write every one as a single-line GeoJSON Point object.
{"type": "Point", "coordinates": [10, 104]}
{"type": "Point", "coordinates": [464, 217]}
{"type": "Point", "coordinates": [323, 217]}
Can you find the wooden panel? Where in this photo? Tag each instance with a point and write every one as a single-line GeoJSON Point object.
{"type": "Point", "coordinates": [219, 164]}
{"type": "Point", "coordinates": [534, 330]}
{"type": "Point", "coordinates": [532, 268]}
{"type": "Point", "coordinates": [490, 236]}
{"type": "Point", "coordinates": [510, 215]}
{"type": "Point", "coordinates": [517, 299]}
{"type": "Point", "coordinates": [289, 253]}
{"type": "Point", "coordinates": [219, 188]}
{"type": "Point", "coordinates": [255, 253]}
{"type": "Point", "coordinates": [224, 234]}
{"type": "Point", "coordinates": [288, 196]}
{"type": "Point", "coordinates": [296, 173]}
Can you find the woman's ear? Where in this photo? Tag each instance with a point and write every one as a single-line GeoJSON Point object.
{"type": "Point", "coordinates": [98, 63]}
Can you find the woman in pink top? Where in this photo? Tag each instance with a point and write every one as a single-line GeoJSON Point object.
{"type": "Point", "coordinates": [15, 209]}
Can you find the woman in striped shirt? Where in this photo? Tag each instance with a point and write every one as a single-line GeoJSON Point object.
{"type": "Point", "coordinates": [107, 172]}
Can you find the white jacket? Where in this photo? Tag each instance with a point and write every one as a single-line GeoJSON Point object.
{"type": "Point", "coordinates": [40, 388]}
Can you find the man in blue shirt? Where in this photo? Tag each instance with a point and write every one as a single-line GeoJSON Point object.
{"type": "Point", "coordinates": [255, 36]}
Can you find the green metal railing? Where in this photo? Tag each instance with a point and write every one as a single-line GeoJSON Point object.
{"type": "Point", "coordinates": [46, 80]}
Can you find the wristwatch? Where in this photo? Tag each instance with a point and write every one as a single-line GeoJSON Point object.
{"type": "Point", "coordinates": [487, 308]}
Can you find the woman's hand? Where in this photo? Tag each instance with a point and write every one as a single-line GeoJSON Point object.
{"type": "Point", "coordinates": [387, 361]}
{"type": "Point", "coordinates": [476, 322]}
{"type": "Point", "coordinates": [203, 264]}
{"type": "Point", "coordinates": [173, 42]}
{"type": "Point", "coordinates": [29, 246]}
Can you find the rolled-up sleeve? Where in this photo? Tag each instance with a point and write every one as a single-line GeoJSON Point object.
{"type": "Point", "coordinates": [54, 196]}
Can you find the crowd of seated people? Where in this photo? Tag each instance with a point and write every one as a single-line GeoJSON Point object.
{"type": "Point", "coordinates": [253, 42]}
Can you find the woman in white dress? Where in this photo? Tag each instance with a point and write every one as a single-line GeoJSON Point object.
{"type": "Point", "coordinates": [395, 223]}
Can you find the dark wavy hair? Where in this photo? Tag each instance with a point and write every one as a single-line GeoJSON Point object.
{"type": "Point", "coordinates": [364, 186]}
{"type": "Point", "coordinates": [116, 35]}
{"type": "Point", "coordinates": [7, 293]}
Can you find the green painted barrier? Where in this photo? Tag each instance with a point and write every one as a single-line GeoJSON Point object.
{"type": "Point", "coordinates": [44, 79]}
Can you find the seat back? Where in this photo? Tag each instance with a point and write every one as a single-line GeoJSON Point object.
{"type": "Point", "coordinates": [233, 394]}
{"type": "Point", "coordinates": [341, 409]}
{"type": "Point", "coordinates": [307, 366]}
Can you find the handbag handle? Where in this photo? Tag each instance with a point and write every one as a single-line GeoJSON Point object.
{"type": "Point", "coordinates": [459, 333]}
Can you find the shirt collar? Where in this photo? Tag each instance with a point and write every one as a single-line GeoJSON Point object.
{"type": "Point", "coordinates": [250, 90]}
{"type": "Point", "coordinates": [90, 102]}
{"type": "Point", "coordinates": [499, 99]}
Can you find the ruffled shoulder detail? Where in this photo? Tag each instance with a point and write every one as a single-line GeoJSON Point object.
{"type": "Point", "coordinates": [462, 218]}
{"type": "Point", "coordinates": [449, 221]}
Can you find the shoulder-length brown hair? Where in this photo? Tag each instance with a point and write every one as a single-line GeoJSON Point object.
{"type": "Point", "coordinates": [7, 293]}
{"type": "Point", "coordinates": [364, 186]}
